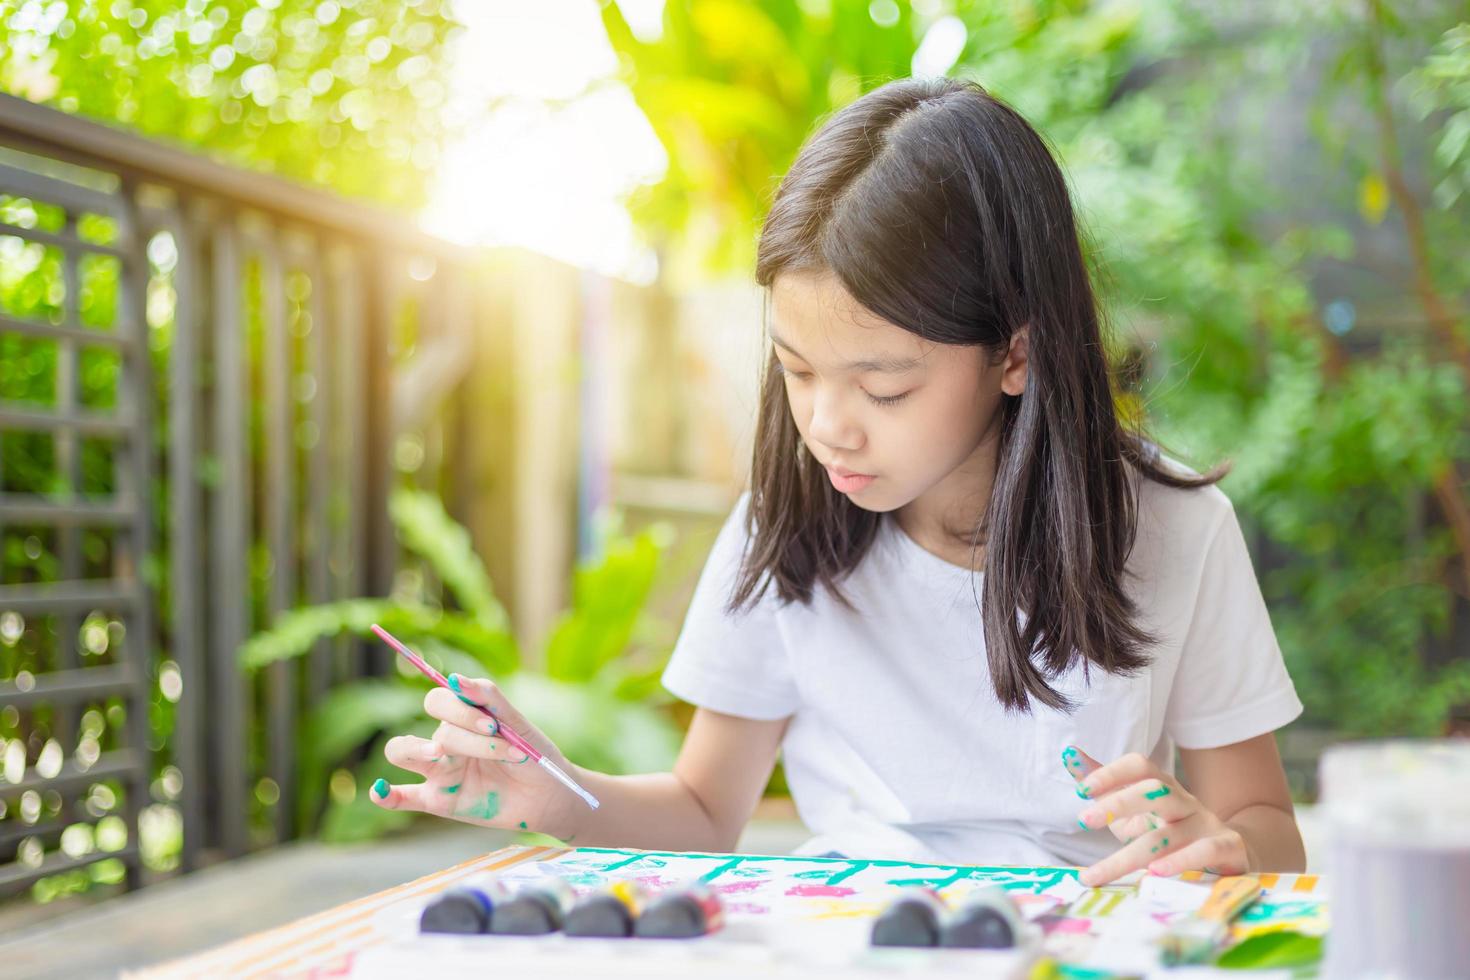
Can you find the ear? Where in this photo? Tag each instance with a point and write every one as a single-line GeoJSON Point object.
{"type": "Point", "coordinates": [1013, 368]}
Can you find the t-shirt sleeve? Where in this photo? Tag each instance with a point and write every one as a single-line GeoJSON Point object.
{"type": "Point", "coordinates": [1231, 683]}
{"type": "Point", "coordinates": [734, 663]}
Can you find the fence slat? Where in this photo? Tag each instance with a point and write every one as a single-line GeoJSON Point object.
{"type": "Point", "coordinates": [82, 423]}
{"type": "Point", "coordinates": [68, 240]}
{"type": "Point", "coordinates": [280, 520]}
{"type": "Point", "coordinates": [69, 331]}
{"type": "Point", "coordinates": [73, 197]}
{"type": "Point", "coordinates": [320, 414]}
{"type": "Point", "coordinates": [68, 687]}
{"type": "Point", "coordinates": [186, 565]}
{"type": "Point", "coordinates": [229, 521]}
{"type": "Point", "coordinates": [69, 471]}
{"type": "Point", "coordinates": [352, 388]}
{"type": "Point", "coordinates": [384, 290]}
{"type": "Point", "coordinates": [135, 476]}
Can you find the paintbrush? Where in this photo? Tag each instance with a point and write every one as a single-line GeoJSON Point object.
{"type": "Point", "coordinates": [1198, 936]}
{"type": "Point", "coordinates": [502, 730]}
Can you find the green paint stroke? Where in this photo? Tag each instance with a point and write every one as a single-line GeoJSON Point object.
{"type": "Point", "coordinates": [380, 789]}
{"type": "Point", "coordinates": [452, 789]}
{"type": "Point", "coordinates": [523, 825]}
{"type": "Point", "coordinates": [1161, 791]}
{"type": "Point", "coordinates": [454, 686]}
{"type": "Point", "coordinates": [486, 809]}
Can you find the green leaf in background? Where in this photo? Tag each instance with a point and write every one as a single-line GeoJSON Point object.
{"type": "Point", "coordinates": [296, 632]}
{"type": "Point", "coordinates": [426, 529]}
{"type": "Point", "coordinates": [608, 598]}
{"type": "Point", "coordinates": [1273, 951]}
{"type": "Point", "coordinates": [344, 719]}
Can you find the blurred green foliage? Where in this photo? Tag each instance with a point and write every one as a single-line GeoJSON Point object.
{"type": "Point", "coordinates": [600, 705]}
{"type": "Point", "coordinates": [1274, 201]}
{"type": "Point", "coordinates": [343, 93]}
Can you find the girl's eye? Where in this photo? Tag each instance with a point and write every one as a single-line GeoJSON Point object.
{"type": "Point", "coordinates": [889, 400]}
{"type": "Point", "coordinates": [788, 372]}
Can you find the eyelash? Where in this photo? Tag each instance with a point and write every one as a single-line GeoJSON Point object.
{"type": "Point", "coordinates": [887, 401]}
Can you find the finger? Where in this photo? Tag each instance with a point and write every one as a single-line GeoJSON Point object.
{"type": "Point", "coordinates": [1132, 857]}
{"type": "Point", "coordinates": [1080, 765]}
{"type": "Point", "coordinates": [1223, 853]}
{"type": "Point", "coordinates": [417, 755]}
{"type": "Point", "coordinates": [1129, 829]}
{"type": "Point", "coordinates": [411, 796]}
{"type": "Point", "coordinates": [1115, 775]}
{"type": "Point", "coordinates": [450, 708]}
{"type": "Point", "coordinates": [480, 691]}
{"type": "Point", "coordinates": [457, 741]}
{"type": "Point", "coordinates": [1148, 798]}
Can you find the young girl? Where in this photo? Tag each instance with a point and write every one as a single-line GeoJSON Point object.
{"type": "Point", "coordinates": [975, 613]}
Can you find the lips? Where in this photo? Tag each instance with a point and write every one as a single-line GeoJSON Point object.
{"type": "Point", "coordinates": [846, 481]}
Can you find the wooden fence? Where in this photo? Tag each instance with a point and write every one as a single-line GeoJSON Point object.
{"type": "Point", "coordinates": [203, 373]}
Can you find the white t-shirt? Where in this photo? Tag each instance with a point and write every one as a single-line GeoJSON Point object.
{"type": "Point", "coordinates": [897, 746]}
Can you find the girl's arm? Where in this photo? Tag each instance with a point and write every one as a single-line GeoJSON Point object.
{"type": "Point", "coordinates": [702, 805]}
{"type": "Point", "coordinates": [1235, 816]}
{"type": "Point", "coordinates": [1245, 786]}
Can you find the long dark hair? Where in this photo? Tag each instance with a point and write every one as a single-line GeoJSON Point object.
{"type": "Point", "coordinates": [939, 209]}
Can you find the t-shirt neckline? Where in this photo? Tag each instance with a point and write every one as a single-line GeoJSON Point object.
{"type": "Point", "coordinates": [907, 545]}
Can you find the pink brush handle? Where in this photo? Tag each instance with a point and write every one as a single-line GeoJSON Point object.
{"type": "Point", "coordinates": [504, 731]}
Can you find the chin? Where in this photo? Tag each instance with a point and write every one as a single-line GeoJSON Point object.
{"type": "Point", "coordinates": [877, 503]}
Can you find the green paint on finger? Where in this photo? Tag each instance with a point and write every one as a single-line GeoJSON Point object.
{"type": "Point", "coordinates": [486, 809]}
{"type": "Point", "coordinates": [452, 789]}
{"type": "Point", "coordinates": [380, 789]}
{"type": "Point", "coordinates": [523, 825]}
{"type": "Point", "coordinates": [1161, 791]}
{"type": "Point", "coordinates": [454, 686]}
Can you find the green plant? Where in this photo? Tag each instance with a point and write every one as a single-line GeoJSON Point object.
{"type": "Point", "coordinates": [598, 703]}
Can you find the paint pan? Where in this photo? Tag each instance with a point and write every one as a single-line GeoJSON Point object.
{"type": "Point", "coordinates": [984, 919]}
{"type": "Point", "coordinates": [911, 919]}
{"type": "Point", "coordinates": [609, 912]}
{"type": "Point", "coordinates": [466, 910]}
{"type": "Point", "coordinates": [535, 909]}
{"type": "Point", "coordinates": [683, 913]}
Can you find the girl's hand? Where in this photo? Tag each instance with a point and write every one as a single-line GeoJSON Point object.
{"type": "Point", "coordinates": [474, 776]}
{"type": "Point", "coordinates": [1163, 828]}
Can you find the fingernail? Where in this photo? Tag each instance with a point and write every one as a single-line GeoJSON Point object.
{"type": "Point", "coordinates": [1089, 817]}
{"type": "Point", "coordinates": [454, 686]}
{"type": "Point", "coordinates": [1084, 791]}
{"type": "Point", "coordinates": [380, 789]}
{"type": "Point", "coordinates": [1083, 824]}
{"type": "Point", "coordinates": [489, 726]}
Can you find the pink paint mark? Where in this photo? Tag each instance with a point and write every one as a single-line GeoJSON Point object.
{"type": "Point", "coordinates": [655, 883]}
{"type": "Point", "coordinates": [821, 891]}
{"type": "Point", "coordinates": [739, 887]}
{"type": "Point", "coordinates": [746, 908]}
{"type": "Point", "coordinates": [1066, 925]}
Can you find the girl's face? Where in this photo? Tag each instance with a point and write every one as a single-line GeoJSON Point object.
{"type": "Point", "coordinates": [895, 419]}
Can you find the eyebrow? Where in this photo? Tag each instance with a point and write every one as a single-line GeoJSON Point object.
{"type": "Point", "coordinates": [885, 365]}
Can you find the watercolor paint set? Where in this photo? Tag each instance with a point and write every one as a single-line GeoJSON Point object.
{"type": "Point", "coordinates": [810, 916]}
{"type": "Point", "coordinates": [621, 910]}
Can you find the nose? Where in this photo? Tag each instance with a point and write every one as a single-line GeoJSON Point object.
{"type": "Point", "coordinates": [831, 425]}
